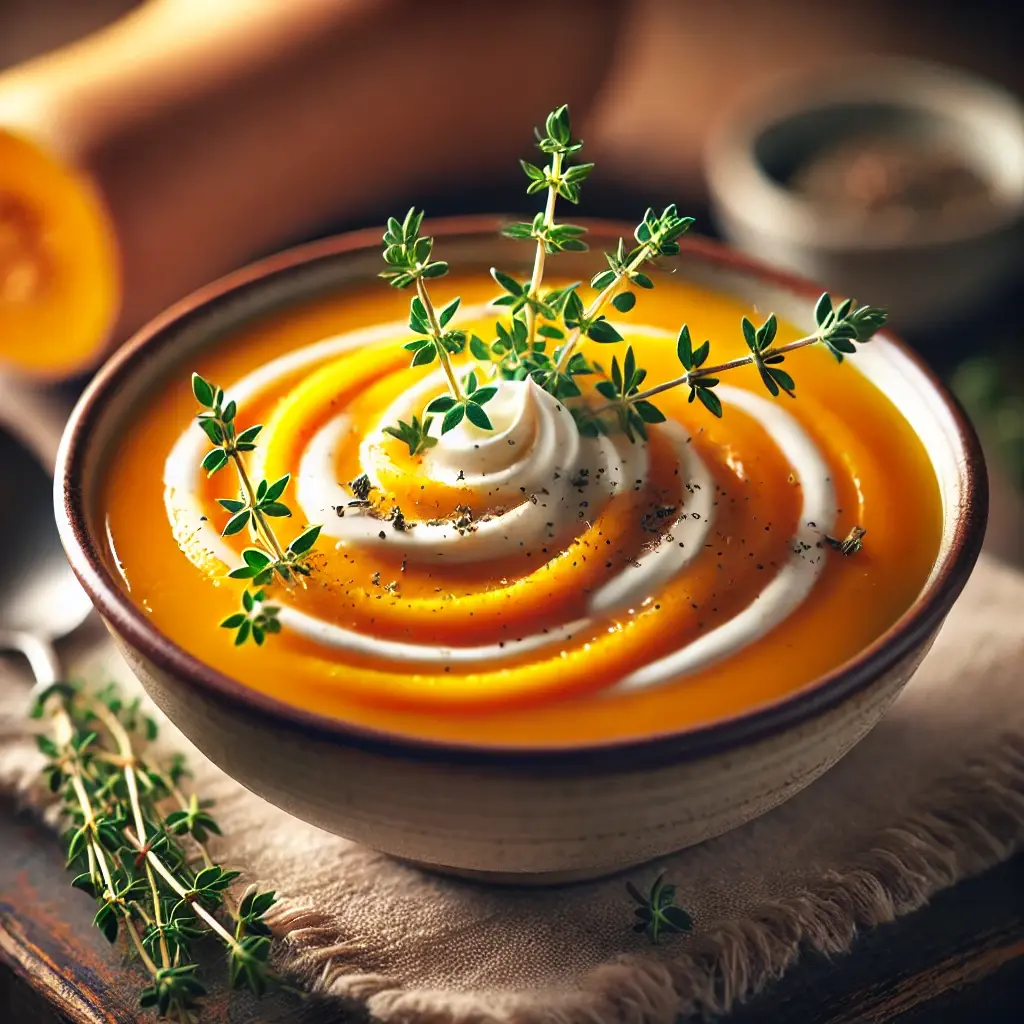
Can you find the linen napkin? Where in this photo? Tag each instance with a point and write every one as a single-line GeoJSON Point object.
{"type": "Point", "coordinates": [935, 793]}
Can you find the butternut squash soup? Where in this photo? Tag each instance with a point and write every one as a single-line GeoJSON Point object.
{"type": "Point", "coordinates": [528, 584]}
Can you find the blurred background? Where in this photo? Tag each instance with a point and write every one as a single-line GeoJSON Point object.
{"type": "Point", "coordinates": [876, 146]}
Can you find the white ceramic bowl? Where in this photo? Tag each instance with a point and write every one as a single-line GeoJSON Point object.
{"type": "Point", "coordinates": [528, 815]}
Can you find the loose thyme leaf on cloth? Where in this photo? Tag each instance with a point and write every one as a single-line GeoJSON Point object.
{"type": "Point", "coordinates": [933, 794]}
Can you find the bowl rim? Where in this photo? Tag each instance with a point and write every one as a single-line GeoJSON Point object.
{"type": "Point", "coordinates": [761, 722]}
{"type": "Point", "coordinates": [739, 183]}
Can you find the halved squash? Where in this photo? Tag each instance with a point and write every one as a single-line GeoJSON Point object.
{"type": "Point", "coordinates": [59, 266]}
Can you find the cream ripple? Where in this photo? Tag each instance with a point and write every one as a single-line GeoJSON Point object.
{"type": "Point", "coordinates": [681, 542]}
{"type": "Point", "coordinates": [199, 540]}
{"type": "Point", "coordinates": [790, 587]}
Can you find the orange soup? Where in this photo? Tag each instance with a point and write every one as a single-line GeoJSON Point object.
{"type": "Point", "coordinates": [528, 585]}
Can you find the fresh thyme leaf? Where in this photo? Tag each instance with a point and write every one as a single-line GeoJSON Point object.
{"type": "Point", "coordinates": [441, 404]}
{"type": "Point", "coordinates": [479, 350]}
{"type": "Point", "coordinates": [448, 311]}
{"type": "Point", "coordinates": [247, 437]}
{"type": "Point", "coordinates": [276, 489]}
{"type": "Point", "coordinates": [823, 310]}
{"type": "Point", "coordinates": [214, 460]}
{"type": "Point", "coordinates": [426, 355]}
{"type": "Point", "coordinates": [766, 332]}
{"type": "Point", "coordinates": [649, 413]}
{"type": "Point", "coordinates": [452, 418]}
{"type": "Point", "coordinates": [203, 391]}
{"type": "Point", "coordinates": [275, 508]}
{"type": "Point", "coordinates": [415, 434]}
{"type": "Point", "coordinates": [506, 281]}
{"type": "Point", "coordinates": [709, 400]}
{"type": "Point", "coordinates": [749, 334]}
{"type": "Point", "coordinates": [305, 540]}
{"type": "Point", "coordinates": [477, 416]}
{"type": "Point", "coordinates": [657, 912]}
{"type": "Point", "coordinates": [213, 430]}
{"type": "Point", "coordinates": [684, 348]}
{"type": "Point", "coordinates": [237, 523]}
{"type": "Point", "coordinates": [601, 330]}
{"type": "Point", "coordinates": [550, 331]}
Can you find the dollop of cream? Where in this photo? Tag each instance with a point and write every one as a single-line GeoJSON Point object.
{"type": "Point", "coordinates": [527, 463]}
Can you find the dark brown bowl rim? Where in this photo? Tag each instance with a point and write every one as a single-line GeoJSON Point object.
{"type": "Point", "coordinates": [900, 641]}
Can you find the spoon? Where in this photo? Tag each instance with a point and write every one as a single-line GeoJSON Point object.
{"type": "Point", "coordinates": [40, 599]}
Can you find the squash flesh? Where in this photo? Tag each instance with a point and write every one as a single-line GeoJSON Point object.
{"type": "Point", "coordinates": [59, 273]}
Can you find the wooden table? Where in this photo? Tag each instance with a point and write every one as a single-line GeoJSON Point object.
{"type": "Point", "coordinates": [961, 959]}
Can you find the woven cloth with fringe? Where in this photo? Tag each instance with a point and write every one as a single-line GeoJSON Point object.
{"type": "Point", "coordinates": [935, 793]}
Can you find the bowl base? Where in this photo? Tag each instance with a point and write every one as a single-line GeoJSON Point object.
{"type": "Point", "coordinates": [521, 879]}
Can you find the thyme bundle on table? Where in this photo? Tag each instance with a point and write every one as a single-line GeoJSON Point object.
{"type": "Point", "coordinates": [137, 843]}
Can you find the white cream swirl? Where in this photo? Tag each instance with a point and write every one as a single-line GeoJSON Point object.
{"type": "Point", "coordinates": [528, 463]}
{"type": "Point", "coordinates": [531, 466]}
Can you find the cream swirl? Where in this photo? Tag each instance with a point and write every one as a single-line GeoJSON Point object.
{"type": "Point", "coordinates": [531, 469]}
{"type": "Point", "coordinates": [527, 463]}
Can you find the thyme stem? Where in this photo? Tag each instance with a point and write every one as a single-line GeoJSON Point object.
{"type": "Point", "coordinates": [541, 255]}
{"type": "Point", "coordinates": [442, 352]}
{"type": "Point", "coordinates": [197, 908]}
{"type": "Point", "coordinates": [250, 493]}
{"type": "Point", "coordinates": [124, 748]}
{"type": "Point", "coordinates": [129, 925]}
{"type": "Point", "coordinates": [713, 371]}
{"type": "Point", "coordinates": [65, 730]}
{"type": "Point", "coordinates": [601, 300]}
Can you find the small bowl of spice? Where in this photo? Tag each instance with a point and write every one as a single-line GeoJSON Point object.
{"type": "Point", "coordinates": [887, 177]}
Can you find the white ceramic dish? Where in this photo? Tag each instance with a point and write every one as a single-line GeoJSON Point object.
{"type": "Point", "coordinates": [514, 814]}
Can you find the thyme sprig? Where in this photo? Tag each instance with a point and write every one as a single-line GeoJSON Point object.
{"type": "Point", "coordinates": [557, 179]}
{"type": "Point", "coordinates": [535, 318]}
{"type": "Point", "coordinates": [256, 619]}
{"type": "Point", "coordinates": [415, 433]}
{"type": "Point", "coordinates": [656, 235]}
{"type": "Point", "coordinates": [409, 254]}
{"type": "Point", "coordinates": [838, 329]}
{"type": "Point", "coordinates": [253, 508]}
{"type": "Point", "coordinates": [469, 406]}
{"type": "Point", "coordinates": [138, 846]}
{"type": "Point", "coordinates": [657, 911]}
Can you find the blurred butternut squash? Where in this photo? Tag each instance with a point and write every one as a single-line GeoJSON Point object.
{"type": "Point", "coordinates": [203, 134]}
{"type": "Point", "coordinates": [59, 274]}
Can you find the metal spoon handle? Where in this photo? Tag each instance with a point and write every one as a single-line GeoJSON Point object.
{"type": "Point", "coordinates": [39, 654]}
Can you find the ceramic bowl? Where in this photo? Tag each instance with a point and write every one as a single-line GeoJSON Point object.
{"type": "Point", "coordinates": [538, 815]}
{"type": "Point", "coordinates": [950, 264]}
